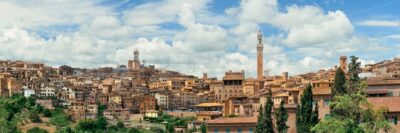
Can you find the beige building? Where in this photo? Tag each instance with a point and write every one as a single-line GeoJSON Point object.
{"type": "Point", "coordinates": [232, 86]}
{"type": "Point", "coordinates": [232, 125]}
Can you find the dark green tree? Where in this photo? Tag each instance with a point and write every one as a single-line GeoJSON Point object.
{"type": "Point", "coordinates": [314, 117]}
{"type": "Point", "coordinates": [281, 116]}
{"type": "Point", "coordinates": [339, 84]}
{"type": "Point", "coordinates": [305, 113]}
{"type": "Point", "coordinates": [338, 88]}
{"type": "Point", "coordinates": [87, 125]}
{"type": "Point", "coordinates": [101, 123]}
{"type": "Point", "coordinates": [46, 113]}
{"type": "Point", "coordinates": [65, 129]}
{"type": "Point", "coordinates": [100, 109]}
{"type": "Point", "coordinates": [170, 128]}
{"type": "Point", "coordinates": [134, 130]}
{"type": "Point", "coordinates": [267, 124]}
{"type": "Point", "coordinates": [37, 130]}
{"type": "Point", "coordinates": [120, 125]}
{"type": "Point", "coordinates": [354, 79]}
{"type": "Point", "coordinates": [35, 117]}
{"type": "Point", "coordinates": [260, 121]}
{"type": "Point", "coordinates": [203, 128]}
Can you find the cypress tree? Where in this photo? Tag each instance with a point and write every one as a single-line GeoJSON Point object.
{"type": "Point", "coordinates": [339, 84]}
{"type": "Point", "coordinates": [314, 117]}
{"type": "Point", "coordinates": [260, 121]}
{"type": "Point", "coordinates": [338, 89]}
{"type": "Point", "coordinates": [268, 125]}
{"type": "Point", "coordinates": [354, 70]}
{"type": "Point", "coordinates": [305, 113]}
{"type": "Point", "coordinates": [281, 118]}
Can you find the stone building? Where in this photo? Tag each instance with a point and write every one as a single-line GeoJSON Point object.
{"type": "Point", "coordinates": [162, 100]}
{"type": "Point", "coordinates": [232, 85]}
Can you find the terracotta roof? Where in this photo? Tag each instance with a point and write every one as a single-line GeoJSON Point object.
{"type": "Point", "coordinates": [282, 95]}
{"type": "Point", "coordinates": [209, 105]}
{"type": "Point", "coordinates": [108, 81]}
{"type": "Point", "coordinates": [293, 89]}
{"type": "Point", "coordinates": [382, 81]}
{"type": "Point", "coordinates": [376, 91]}
{"type": "Point", "coordinates": [235, 120]}
{"type": "Point", "coordinates": [322, 91]}
{"type": "Point", "coordinates": [392, 103]}
{"type": "Point", "coordinates": [209, 113]}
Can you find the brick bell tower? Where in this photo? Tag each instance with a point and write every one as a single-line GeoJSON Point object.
{"type": "Point", "coordinates": [260, 48]}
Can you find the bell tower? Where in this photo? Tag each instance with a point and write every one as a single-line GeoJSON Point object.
{"type": "Point", "coordinates": [260, 48]}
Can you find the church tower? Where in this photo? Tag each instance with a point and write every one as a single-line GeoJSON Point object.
{"type": "Point", "coordinates": [260, 48]}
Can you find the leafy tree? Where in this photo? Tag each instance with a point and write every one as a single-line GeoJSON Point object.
{"type": "Point", "coordinates": [203, 128]}
{"type": "Point", "coordinates": [352, 112]}
{"type": "Point", "coordinates": [65, 130]}
{"type": "Point", "coordinates": [59, 118]}
{"type": "Point", "coordinates": [134, 130]}
{"type": "Point", "coordinates": [35, 117]}
{"type": "Point", "coordinates": [88, 125]}
{"type": "Point", "coordinates": [305, 116]}
{"type": "Point", "coordinates": [267, 124]}
{"type": "Point", "coordinates": [157, 130]}
{"type": "Point", "coordinates": [357, 115]}
{"type": "Point", "coordinates": [37, 130]}
{"type": "Point", "coordinates": [339, 84]}
{"type": "Point", "coordinates": [281, 118]}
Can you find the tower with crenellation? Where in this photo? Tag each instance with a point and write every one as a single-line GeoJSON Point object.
{"type": "Point", "coordinates": [260, 48]}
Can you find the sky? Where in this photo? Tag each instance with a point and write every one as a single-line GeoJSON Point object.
{"type": "Point", "coordinates": [200, 36]}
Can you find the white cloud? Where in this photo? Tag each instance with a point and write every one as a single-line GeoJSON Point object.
{"type": "Point", "coordinates": [31, 14]}
{"type": "Point", "coordinates": [161, 12]}
{"type": "Point", "coordinates": [307, 39]}
{"type": "Point", "coordinates": [380, 23]}
{"type": "Point", "coordinates": [394, 36]}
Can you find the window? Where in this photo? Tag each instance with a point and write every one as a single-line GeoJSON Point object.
{"type": "Point", "coordinates": [228, 130]}
{"type": "Point", "coordinates": [390, 93]}
{"type": "Point", "coordinates": [239, 130]}
{"type": "Point", "coordinates": [326, 102]}
{"type": "Point", "coordinates": [251, 130]}
{"type": "Point", "coordinates": [327, 115]}
{"type": "Point", "coordinates": [215, 130]}
{"type": "Point", "coordinates": [392, 119]}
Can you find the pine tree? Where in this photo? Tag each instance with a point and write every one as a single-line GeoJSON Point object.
{"type": "Point", "coordinates": [281, 118]}
{"type": "Point", "coordinates": [305, 113]}
{"type": "Point", "coordinates": [268, 125]}
{"type": "Point", "coordinates": [354, 70]}
{"type": "Point", "coordinates": [260, 121]}
{"type": "Point", "coordinates": [339, 84]}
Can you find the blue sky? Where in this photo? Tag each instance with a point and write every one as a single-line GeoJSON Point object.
{"type": "Point", "coordinates": [199, 36]}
